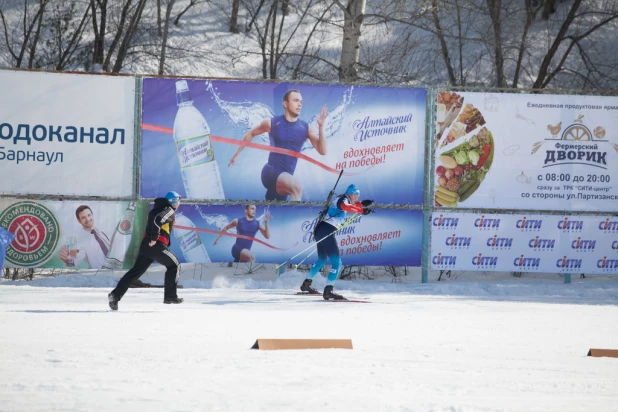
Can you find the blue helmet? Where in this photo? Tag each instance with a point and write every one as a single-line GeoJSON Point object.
{"type": "Point", "coordinates": [172, 197]}
{"type": "Point", "coordinates": [352, 190]}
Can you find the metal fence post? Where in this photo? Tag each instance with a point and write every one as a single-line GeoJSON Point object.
{"type": "Point", "coordinates": [137, 137]}
{"type": "Point", "coordinates": [428, 198]}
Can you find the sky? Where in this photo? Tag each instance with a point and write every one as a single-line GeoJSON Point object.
{"type": "Point", "coordinates": [466, 343]}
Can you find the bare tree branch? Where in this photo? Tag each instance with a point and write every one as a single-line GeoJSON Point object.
{"type": "Point", "coordinates": [168, 12]}
{"type": "Point", "coordinates": [443, 46]}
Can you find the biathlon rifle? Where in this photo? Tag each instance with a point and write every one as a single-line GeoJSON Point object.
{"type": "Point", "coordinates": [327, 204]}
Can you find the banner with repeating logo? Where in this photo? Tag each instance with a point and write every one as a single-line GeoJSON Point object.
{"type": "Point", "coordinates": [524, 151]}
{"type": "Point", "coordinates": [238, 140]}
{"type": "Point", "coordinates": [274, 234]}
{"type": "Point", "coordinates": [72, 234]}
{"type": "Point", "coordinates": [524, 243]}
{"type": "Point", "coordinates": [66, 134]}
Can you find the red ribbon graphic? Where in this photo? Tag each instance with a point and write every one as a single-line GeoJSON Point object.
{"type": "Point", "coordinates": [161, 129]}
{"type": "Point", "coordinates": [217, 232]}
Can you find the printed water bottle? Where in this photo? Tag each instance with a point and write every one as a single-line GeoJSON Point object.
{"type": "Point", "coordinates": [189, 241]}
{"type": "Point", "coordinates": [200, 172]}
{"type": "Point", "coordinates": [121, 239]}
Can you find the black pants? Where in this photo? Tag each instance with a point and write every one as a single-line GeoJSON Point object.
{"type": "Point", "coordinates": [148, 254]}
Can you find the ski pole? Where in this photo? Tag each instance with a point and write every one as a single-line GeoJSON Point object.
{"type": "Point", "coordinates": [346, 223]}
{"type": "Point", "coordinates": [306, 257]}
{"type": "Point", "coordinates": [319, 219]}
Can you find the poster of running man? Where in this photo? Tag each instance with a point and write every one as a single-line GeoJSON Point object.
{"type": "Point", "coordinates": [273, 234]}
{"type": "Point", "coordinates": [241, 140]}
{"type": "Point", "coordinates": [524, 151]}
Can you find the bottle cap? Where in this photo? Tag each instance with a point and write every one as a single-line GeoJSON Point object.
{"type": "Point", "coordinates": [181, 86]}
{"type": "Point", "coordinates": [183, 95]}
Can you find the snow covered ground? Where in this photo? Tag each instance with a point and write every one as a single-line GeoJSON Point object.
{"type": "Point", "coordinates": [475, 343]}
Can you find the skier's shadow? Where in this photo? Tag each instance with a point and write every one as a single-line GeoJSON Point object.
{"type": "Point", "coordinates": [240, 302]}
{"type": "Point", "coordinates": [77, 311]}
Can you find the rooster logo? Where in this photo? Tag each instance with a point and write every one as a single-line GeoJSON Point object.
{"type": "Point", "coordinates": [554, 130]}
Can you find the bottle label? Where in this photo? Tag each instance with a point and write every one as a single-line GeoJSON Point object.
{"type": "Point", "coordinates": [194, 151]}
{"type": "Point", "coordinates": [189, 241]}
{"type": "Point", "coordinates": [125, 227]}
{"type": "Point", "coordinates": [112, 263]}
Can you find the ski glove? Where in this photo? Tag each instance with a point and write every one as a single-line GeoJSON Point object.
{"type": "Point", "coordinates": [367, 211]}
{"type": "Point", "coordinates": [366, 203]}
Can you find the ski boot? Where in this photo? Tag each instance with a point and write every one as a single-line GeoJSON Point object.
{"type": "Point", "coordinates": [113, 301]}
{"type": "Point", "coordinates": [306, 287]}
{"type": "Point", "coordinates": [175, 300]}
{"type": "Point", "coordinates": [329, 294]}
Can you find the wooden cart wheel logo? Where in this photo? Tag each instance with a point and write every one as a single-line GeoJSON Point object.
{"type": "Point", "coordinates": [576, 132]}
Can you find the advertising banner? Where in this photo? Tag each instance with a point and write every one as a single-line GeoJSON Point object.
{"type": "Point", "coordinates": [524, 243]}
{"type": "Point", "coordinates": [66, 134]}
{"type": "Point", "coordinates": [72, 234]}
{"type": "Point", "coordinates": [273, 234]}
{"type": "Point", "coordinates": [239, 140]}
{"type": "Point", "coordinates": [525, 151]}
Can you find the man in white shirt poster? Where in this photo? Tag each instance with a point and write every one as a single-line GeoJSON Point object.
{"type": "Point", "coordinates": [91, 244]}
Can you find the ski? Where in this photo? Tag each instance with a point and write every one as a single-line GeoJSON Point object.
{"type": "Point", "coordinates": [319, 293]}
{"type": "Point", "coordinates": [358, 300]}
{"type": "Point", "coordinates": [148, 285]}
{"type": "Point", "coordinates": [162, 286]}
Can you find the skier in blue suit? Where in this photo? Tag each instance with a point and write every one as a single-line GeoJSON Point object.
{"type": "Point", "coordinates": [324, 234]}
